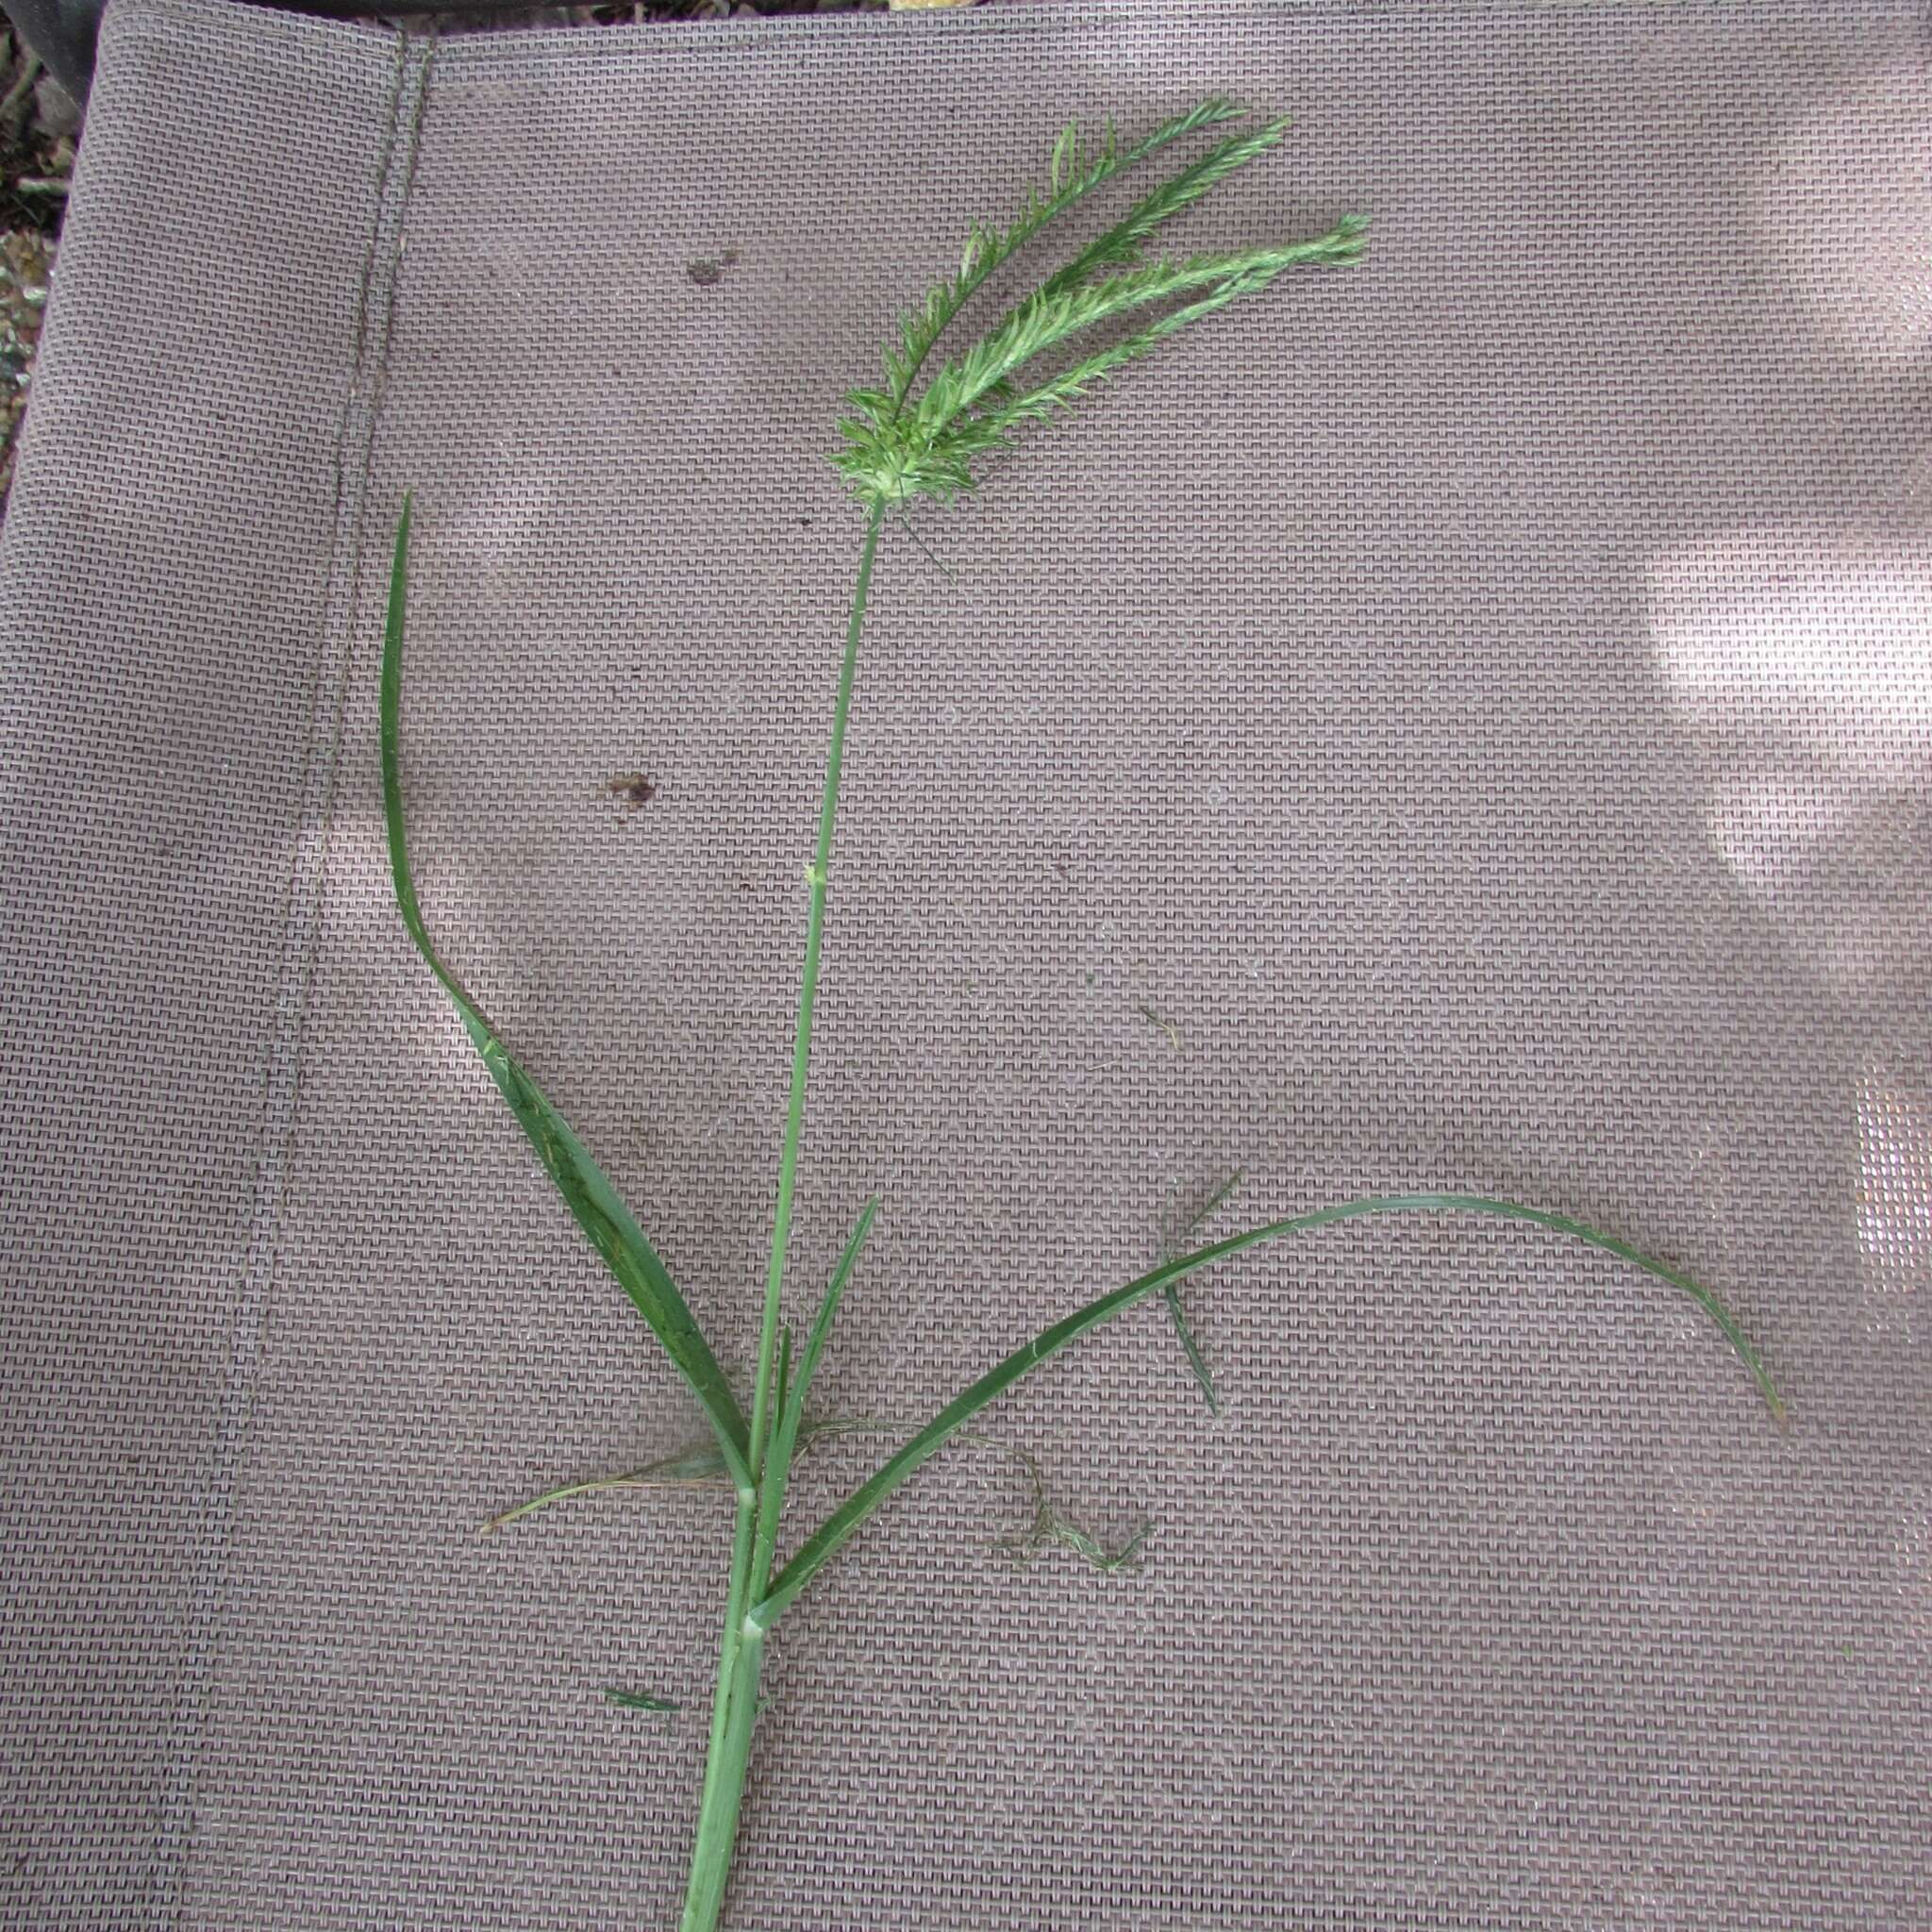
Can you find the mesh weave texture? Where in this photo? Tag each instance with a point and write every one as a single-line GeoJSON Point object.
{"type": "Point", "coordinates": [1462, 722]}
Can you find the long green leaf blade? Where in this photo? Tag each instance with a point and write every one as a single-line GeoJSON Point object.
{"type": "Point", "coordinates": [851, 1515]}
{"type": "Point", "coordinates": [593, 1203]}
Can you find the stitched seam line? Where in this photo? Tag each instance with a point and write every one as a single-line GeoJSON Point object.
{"type": "Point", "coordinates": [281, 1069]}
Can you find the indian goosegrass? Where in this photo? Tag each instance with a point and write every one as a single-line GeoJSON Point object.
{"type": "Point", "coordinates": [924, 432]}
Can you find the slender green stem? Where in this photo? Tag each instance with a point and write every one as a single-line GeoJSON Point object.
{"type": "Point", "coordinates": [710, 1872]}
{"type": "Point", "coordinates": [742, 1542]}
{"type": "Point", "coordinates": [807, 998]}
{"type": "Point", "coordinates": [740, 1657]}
{"type": "Point", "coordinates": [755, 1540]}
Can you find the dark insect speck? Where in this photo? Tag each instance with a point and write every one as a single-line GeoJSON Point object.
{"type": "Point", "coordinates": [632, 789]}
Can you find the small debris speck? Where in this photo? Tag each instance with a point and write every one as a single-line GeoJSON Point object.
{"type": "Point", "coordinates": [632, 789]}
{"type": "Point", "coordinates": [1161, 1021]}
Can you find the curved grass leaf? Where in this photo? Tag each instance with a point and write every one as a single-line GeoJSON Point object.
{"type": "Point", "coordinates": [844, 1521]}
{"type": "Point", "coordinates": [593, 1203]}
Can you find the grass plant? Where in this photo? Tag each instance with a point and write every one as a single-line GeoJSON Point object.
{"type": "Point", "coordinates": [924, 432]}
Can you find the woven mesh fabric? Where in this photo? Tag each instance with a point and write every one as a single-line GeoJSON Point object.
{"type": "Point", "coordinates": [1460, 723]}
